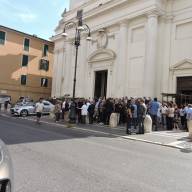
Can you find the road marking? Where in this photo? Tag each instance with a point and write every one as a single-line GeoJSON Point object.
{"type": "Point", "coordinates": [172, 135]}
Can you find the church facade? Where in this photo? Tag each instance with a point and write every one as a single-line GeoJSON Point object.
{"type": "Point", "coordinates": [138, 48]}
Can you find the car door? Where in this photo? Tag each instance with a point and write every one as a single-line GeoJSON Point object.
{"type": "Point", "coordinates": [31, 108]}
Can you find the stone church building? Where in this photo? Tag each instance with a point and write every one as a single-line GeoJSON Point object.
{"type": "Point", "coordinates": [138, 48]}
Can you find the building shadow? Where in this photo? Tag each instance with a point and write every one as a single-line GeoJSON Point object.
{"type": "Point", "coordinates": [20, 131]}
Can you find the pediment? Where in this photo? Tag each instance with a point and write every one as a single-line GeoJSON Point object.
{"type": "Point", "coordinates": [101, 55]}
{"type": "Point", "coordinates": [184, 64]}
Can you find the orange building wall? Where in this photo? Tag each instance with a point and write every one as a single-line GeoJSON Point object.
{"type": "Point", "coordinates": [11, 66]}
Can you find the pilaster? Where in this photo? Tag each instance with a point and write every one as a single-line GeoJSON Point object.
{"type": "Point", "coordinates": [122, 64]}
{"type": "Point", "coordinates": [151, 54]}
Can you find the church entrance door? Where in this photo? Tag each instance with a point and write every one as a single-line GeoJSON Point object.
{"type": "Point", "coordinates": [100, 84]}
{"type": "Point", "coordinates": [184, 89]}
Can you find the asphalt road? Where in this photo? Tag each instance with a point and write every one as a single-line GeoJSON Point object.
{"type": "Point", "coordinates": [54, 159]}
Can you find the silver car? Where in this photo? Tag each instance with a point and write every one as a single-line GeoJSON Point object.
{"type": "Point", "coordinates": [6, 169]}
{"type": "Point", "coordinates": [25, 109]}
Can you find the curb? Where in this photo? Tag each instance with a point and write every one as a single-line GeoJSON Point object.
{"type": "Point", "coordinates": [152, 142]}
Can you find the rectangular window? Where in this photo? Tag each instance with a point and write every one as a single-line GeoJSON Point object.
{"type": "Point", "coordinates": [44, 65]}
{"type": "Point", "coordinates": [45, 50]}
{"type": "Point", "coordinates": [25, 60]}
{"type": "Point", "coordinates": [44, 82]}
{"type": "Point", "coordinates": [26, 44]}
{"type": "Point", "coordinates": [23, 79]}
{"type": "Point", "coordinates": [2, 37]}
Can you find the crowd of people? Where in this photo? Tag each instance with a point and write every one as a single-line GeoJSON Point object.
{"type": "Point", "coordinates": [129, 111]}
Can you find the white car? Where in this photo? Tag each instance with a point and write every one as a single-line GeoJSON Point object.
{"type": "Point", "coordinates": [25, 109]}
{"type": "Point", "coordinates": [6, 169]}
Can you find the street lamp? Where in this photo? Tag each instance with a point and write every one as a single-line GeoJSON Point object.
{"type": "Point", "coordinates": [79, 27]}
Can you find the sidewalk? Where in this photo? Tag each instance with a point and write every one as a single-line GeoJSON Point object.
{"type": "Point", "coordinates": [175, 139]}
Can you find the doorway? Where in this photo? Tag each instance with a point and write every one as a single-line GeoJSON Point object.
{"type": "Point", "coordinates": [184, 89]}
{"type": "Point", "coordinates": [100, 84]}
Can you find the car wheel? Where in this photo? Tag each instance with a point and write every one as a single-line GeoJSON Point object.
{"type": "Point", "coordinates": [24, 113]}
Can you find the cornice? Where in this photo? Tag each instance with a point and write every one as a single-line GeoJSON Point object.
{"type": "Point", "coordinates": [150, 10]}
{"type": "Point", "coordinates": [105, 7]}
{"type": "Point", "coordinates": [74, 10]}
{"type": "Point", "coordinates": [127, 17]}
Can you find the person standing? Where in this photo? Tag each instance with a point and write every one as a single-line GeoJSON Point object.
{"type": "Point", "coordinates": [141, 113]}
{"type": "Point", "coordinates": [170, 116]}
{"type": "Point", "coordinates": [176, 118]}
{"type": "Point", "coordinates": [91, 111]}
{"type": "Point", "coordinates": [84, 112]}
{"type": "Point", "coordinates": [57, 111]}
{"type": "Point", "coordinates": [108, 109]}
{"type": "Point", "coordinates": [63, 109]}
{"type": "Point", "coordinates": [153, 110]}
{"type": "Point", "coordinates": [129, 118]}
{"type": "Point", "coordinates": [189, 120]}
{"type": "Point", "coordinates": [79, 105]}
{"type": "Point", "coordinates": [117, 110]}
{"type": "Point", "coordinates": [39, 110]}
{"type": "Point", "coordinates": [182, 115]}
{"type": "Point", "coordinates": [134, 113]}
{"type": "Point", "coordinates": [163, 115]}
{"type": "Point", "coordinates": [66, 117]}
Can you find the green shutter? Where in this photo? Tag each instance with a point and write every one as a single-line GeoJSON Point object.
{"type": "Point", "coordinates": [2, 37]}
{"type": "Point", "coordinates": [45, 50]}
{"type": "Point", "coordinates": [23, 79]}
{"type": "Point", "coordinates": [26, 44]}
{"type": "Point", "coordinates": [25, 60]}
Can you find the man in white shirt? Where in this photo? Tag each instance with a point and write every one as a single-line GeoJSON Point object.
{"type": "Point", "coordinates": [63, 110]}
{"type": "Point", "coordinates": [39, 110]}
{"type": "Point", "coordinates": [84, 112]}
{"type": "Point", "coordinates": [164, 115]}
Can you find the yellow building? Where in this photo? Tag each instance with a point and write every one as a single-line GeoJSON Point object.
{"type": "Point", "coordinates": [25, 65]}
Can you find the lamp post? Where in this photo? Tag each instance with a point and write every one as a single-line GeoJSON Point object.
{"type": "Point", "coordinates": [79, 27]}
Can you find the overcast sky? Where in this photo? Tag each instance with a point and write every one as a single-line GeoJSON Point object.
{"type": "Point", "coordinates": [39, 17]}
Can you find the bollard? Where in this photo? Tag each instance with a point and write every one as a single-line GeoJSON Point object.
{"type": "Point", "coordinates": [189, 126]}
{"type": "Point", "coordinates": [148, 124]}
{"type": "Point", "coordinates": [113, 120]}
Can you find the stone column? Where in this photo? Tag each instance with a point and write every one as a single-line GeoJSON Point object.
{"type": "Point", "coordinates": [149, 88]}
{"type": "Point", "coordinates": [122, 65]}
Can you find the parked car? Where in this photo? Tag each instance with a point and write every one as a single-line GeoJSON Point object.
{"type": "Point", "coordinates": [6, 169]}
{"type": "Point", "coordinates": [28, 108]}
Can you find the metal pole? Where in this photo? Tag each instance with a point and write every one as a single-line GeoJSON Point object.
{"type": "Point", "coordinates": [74, 81]}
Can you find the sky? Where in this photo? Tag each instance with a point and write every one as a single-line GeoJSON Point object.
{"type": "Point", "coordinates": [39, 17]}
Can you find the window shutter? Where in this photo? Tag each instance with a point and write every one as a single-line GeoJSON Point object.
{"type": "Point", "coordinates": [2, 37]}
